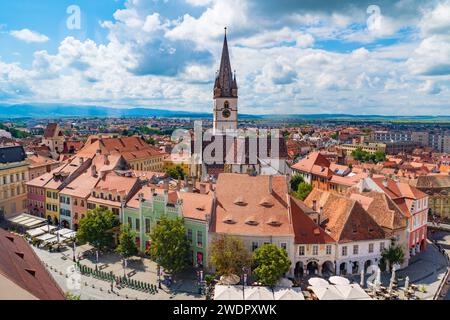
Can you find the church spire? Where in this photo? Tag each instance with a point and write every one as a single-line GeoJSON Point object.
{"type": "Point", "coordinates": [225, 83]}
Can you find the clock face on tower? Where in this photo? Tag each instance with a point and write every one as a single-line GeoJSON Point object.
{"type": "Point", "coordinates": [226, 113]}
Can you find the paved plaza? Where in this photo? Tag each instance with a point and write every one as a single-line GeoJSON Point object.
{"type": "Point", "coordinates": [61, 267]}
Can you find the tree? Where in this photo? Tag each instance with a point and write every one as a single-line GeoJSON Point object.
{"type": "Point", "coordinates": [169, 245]}
{"type": "Point", "coordinates": [393, 255]}
{"type": "Point", "coordinates": [96, 228]}
{"type": "Point", "coordinates": [127, 246]}
{"type": "Point", "coordinates": [303, 190]}
{"type": "Point", "coordinates": [175, 172]}
{"type": "Point", "coordinates": [228, 255]}
{"type": "Point", "coordinates": [270, 263]}
{"type": "Point", "coordinates": [379, 156]}
{"type": "Point", "coordinates": [295, 181]}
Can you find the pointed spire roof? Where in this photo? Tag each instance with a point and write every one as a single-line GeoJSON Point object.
{"type": "Point", "coordinates": [224, 80]}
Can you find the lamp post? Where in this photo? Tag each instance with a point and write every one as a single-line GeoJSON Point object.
{"type": "Point", "coordinates": [74, 249]}
{"type": "Point", "coordinates": [158, 271]}
{"type": "Point", "coordinates": [96, 260]}
{"type": "Point", "coordinates": [244, 276]}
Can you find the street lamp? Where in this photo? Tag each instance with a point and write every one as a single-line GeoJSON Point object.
{"type": "Point", "coordinates": [244, 275]}
{"type": "Point", "coordinates": [74, 248]}
{"type": "Point", "coordinates": [158, 271]}
{"type": "Point", "coordinates": [96, 260]}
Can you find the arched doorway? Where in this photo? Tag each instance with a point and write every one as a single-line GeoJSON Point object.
{"type": "Point", "coordinates": [65, 224]}
{"type": "Point", "coordinates": [343, 268]}
{"type": "Point", "coordinates": [299, 269]}
{"type": "Point", "coordinates": [355, 267]}
{"type": "Point", "coordinates": [55, 221]}
{"type": "Point", "coordinates": [49, 219]}
{"type": "Point", "coordinates": [328, 268]}
{"type": "Point", "coordinates": [312, 267]}
{"type": "Point", "coordinates": [367, 264]}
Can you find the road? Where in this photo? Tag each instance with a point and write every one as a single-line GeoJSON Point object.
{"type": "Point", "coordinates": [443, 239]}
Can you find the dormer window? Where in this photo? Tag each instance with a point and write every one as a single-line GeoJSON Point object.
{"type": "Point", "coordinates": [251, 221]}
{"type": "Point", "coordinates": [228, 220]}
{"type": "Point", "coordinates": [265, 202]}
{"type": "Point", "coordinates": [274, 222]}
{"type": "Point", "coordinates": [240, 201]}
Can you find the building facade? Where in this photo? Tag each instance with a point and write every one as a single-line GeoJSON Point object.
{"type": "Point", "coordinates": [13, 179]}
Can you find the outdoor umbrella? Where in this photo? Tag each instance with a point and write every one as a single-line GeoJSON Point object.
{"type": "Point", "coordinates": [258, 293]}
{"type": "Point", "coordinates": [352, 292]}
{"type": "Point", "coordinates": [222, 292]}
{"type": "Point", "coordinates": [288, 294]}
{"type": "Point", "coordinates": [339, 280]}
{"type": "Point", "coordinates": [318, 282]}
{"type": "Point", "coordinates": [327, 293]}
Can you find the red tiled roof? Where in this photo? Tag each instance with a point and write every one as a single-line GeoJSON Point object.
{"type": "Point", "coordinates": [305, 229]}
{"type": "Point", "coordinates": [19, 263]}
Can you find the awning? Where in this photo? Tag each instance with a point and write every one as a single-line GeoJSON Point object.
{"type": "Point", "coordinates": [27, 220]}
{"type": "Point", "coordinates": [47, 238]}
{"type": "Point", "coordinates": [35, 232]}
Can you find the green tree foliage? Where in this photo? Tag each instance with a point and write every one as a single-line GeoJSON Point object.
{"type": "Point", "coordinates": [96, 228]}
{"type": "Point", "coordinates": [365, 156]}
{"type": "Point", "coordinates": [393, 255]}
{"type": "Point", "coordinates": [303, 190]}
{"type": "Point", "coordinates": [270, 263]}
{"type": "Point", "coordinates": [295, 181]}
{"type": "Point", "coordinates": [175, 172]}
{"type": "Point", "coordinates": [127, 246]}
{"type": "Point", "coordinates": [169, 245]}
{"type": "Point", "coordinates": [228, 255]}
{"type": "Point", "coordinates": [19, 134]}
{"type": "Point", "coordinates": [71, 296]}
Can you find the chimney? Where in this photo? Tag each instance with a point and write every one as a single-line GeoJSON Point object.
{"type": "Point", "coordinates": [102, 174]}
{"type": "Point", "coordinates": [81, 160]}
{"type": "Point", "coordinates": [319, 216]}
{"type": "Point", "coordinates": [385, 182]}
{"type": "Point", "coordinates": [153, 191]}
{"type": "Point", "coordinates": [93, 170]}
{"type": "Point", "coordinates": [106, 160]}
{"type": "Point", "coordinates": [141, 197]}
{"type": "Point", "coordinates": [98, 151]}
{"type": "Point", "coordinates": [314, 206]}
{"type": "Point", "coordinates": [270, 184]}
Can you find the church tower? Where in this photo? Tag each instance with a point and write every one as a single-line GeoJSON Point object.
{"type": "Point", "coordinates": [225, 94]}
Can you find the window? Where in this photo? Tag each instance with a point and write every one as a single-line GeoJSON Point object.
{"type": "Point", "coordinates": [199, 239]}
{"type": "Point", "coordinates": [49, 194]}
{"type": "Point", "coordinates": [370, 247]}
{"type": "Point", "coordinates": [344, 250]}
{"type": "Point", "coordinates": [115, 211]}
{"type": "Point", "coordinates": [283, 245]}
{"type": "Point", "coordinates": [315, 250]}
{"type": "Point", "coordinates": [138, 225]}
{"type": "Point", "coordinates": [130, 224]}
{"type": "Point", "coordinates": [301, 250]}
{"type": "Point", "coordinates": [55, 196]}
{"type": "Point", "coordinates": [75, 202]}
{"type": "Point", "coordinates": [82, 203]}
{"type": "Point", "coordinates": [23, 175]}
{"type": "Point", "coordinates": [254, 246]}
{"type": "Point", "coordinates": [189, 235]}
{"type": "Point", "coordinates": [328, 249]}
{"type": "Point", "coordinates": [381, 246]}
{"type": "Point", "coordinates": [147, 225]}
{"type": "Point", "coordinates": [355, 249]}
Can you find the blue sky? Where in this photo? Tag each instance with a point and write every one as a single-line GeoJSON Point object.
{"type": "Point", "coordinates": [290, 56]}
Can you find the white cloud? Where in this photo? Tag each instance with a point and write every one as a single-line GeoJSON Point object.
{"type": "Point", "coordinates": [29, 36]}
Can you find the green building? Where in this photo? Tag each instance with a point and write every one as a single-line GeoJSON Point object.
{"type": "Point", "coordinates": [145, 209]}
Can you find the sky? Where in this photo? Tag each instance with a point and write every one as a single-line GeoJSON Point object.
{"type": "Point", "coordinates": [389, 57]}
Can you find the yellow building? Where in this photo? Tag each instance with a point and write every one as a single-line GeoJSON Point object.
{"type": "Point", "coordinates": [371, 147]}
{"type": "Point", "coordinates": [13, 176]}
{"type": "Point", "coordinates": [52, 205]}
{"type": "Point", "coordinates": [174, 160]}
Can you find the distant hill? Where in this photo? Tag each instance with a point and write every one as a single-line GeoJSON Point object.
{"type": "Point", "coordinates": [60, 111]}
